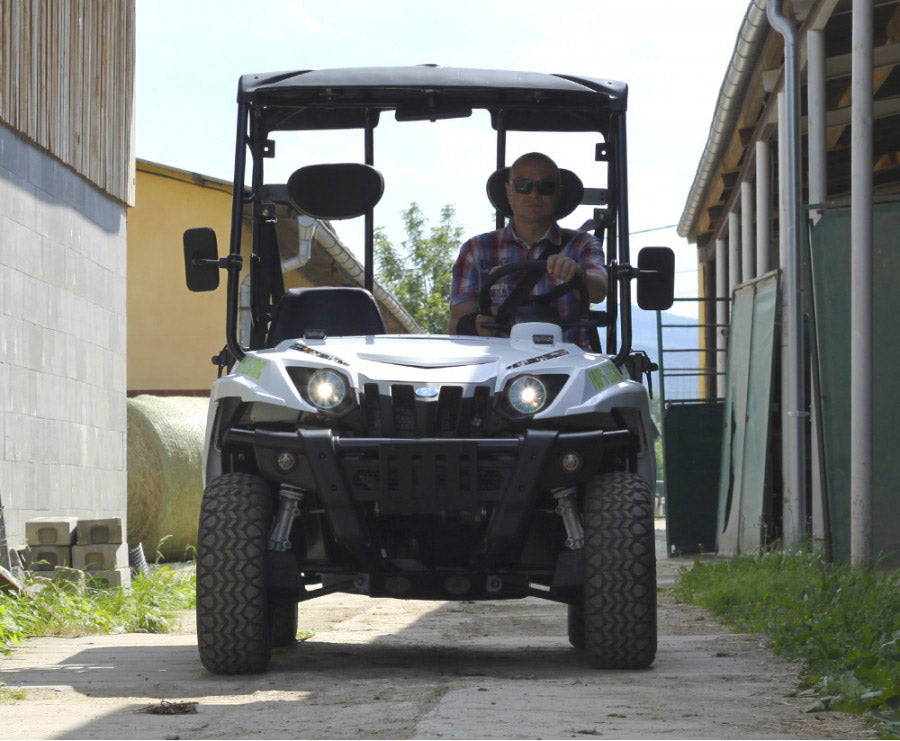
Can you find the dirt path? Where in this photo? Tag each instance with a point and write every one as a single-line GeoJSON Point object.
{"type": "Point", "coordinates": [392, 669]}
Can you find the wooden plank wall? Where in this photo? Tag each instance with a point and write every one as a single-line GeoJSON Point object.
{"type": "Point", "coordinates": [67, 84]}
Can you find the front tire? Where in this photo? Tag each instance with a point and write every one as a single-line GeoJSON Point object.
{"type": "Point", "coordinates": [620, 572]}
{"type": "Point", "coordinates": [233, 623]}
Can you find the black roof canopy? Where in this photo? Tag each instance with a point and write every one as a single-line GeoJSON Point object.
{"type": "Point", "coordinates": [344, 98]}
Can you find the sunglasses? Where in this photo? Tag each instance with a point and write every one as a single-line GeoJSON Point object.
{"type": "Point", "coordinates": [525, 185]}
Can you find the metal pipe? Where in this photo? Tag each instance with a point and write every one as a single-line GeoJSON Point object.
{"type": "Point", "coordinates": [624, 251]}
{"type": "Point", "coordinates": [369, 261]}
{"type": "Point", "coordinates": [734, 251]}
{"type": "Point", "coordinates": [793, 414]}
{"type": "Point", "coordinates": [721, 315]}
{"type": "Point", "coordinates": [815, 127]}
{"type": "Point", "coordinates": [861, 216]}
{"type": "Point", "coordinates": [748, 231]}
{"type": "Point", "coordinates": [499, 219]}
{"type": "Point", "coordinates": [781, 155]}
{"type": "Point", "coordinates": [818, 193]}
{"type": "Point", "coordinates": [237, 212]}
{"type": "Point", "coordinates": [257, 312]}
{"type": "Point", "coordinates": [763, 207]}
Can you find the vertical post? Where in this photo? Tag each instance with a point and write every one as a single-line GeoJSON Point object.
{"type": "Point", "coordinates": [748, 230]}
{"type": "Point", "coordinates": [763, 207]}
{"type": "Point", "coordinates": [793, 415]}
{"type": "Point", "coordinates": [624, 249]}
{"type": "Point", "coordinates": [815, 98]}
{"type": "Point", "coordinates": [662, 371]}
{"type": "Point", "coordinates": [818, 193]}
{"type": "Point", "coordinates": [501, 160]}
{"type": "Point", "coordinates": [861, 286]}
{"type": "Point", "coordinates": [369, 267]}
{"type": "Point", "coordinates": [237, 213]}
{"type": "Point", "coordinates": [722, 291]}
{"type": "Point", "coordinates": [734, 251]}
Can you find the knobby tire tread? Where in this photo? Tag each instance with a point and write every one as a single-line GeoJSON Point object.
{"type": "Point", "coordinates": [620, 572]}
{"type": "Point", "coordinates": [233, 614]}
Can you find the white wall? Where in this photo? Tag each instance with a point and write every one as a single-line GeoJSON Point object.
{"type": "Point", "coordinates": [62, 341]}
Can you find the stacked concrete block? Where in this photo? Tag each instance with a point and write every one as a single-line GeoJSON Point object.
{"type": "Point", "coordinates": [50, 541]}
{"type": "Point", "coordinates": [101, 552]}
{"type": "Point", "coordinates": [70, 549]}
{"type": "Point", "coordinates": [93, 532]}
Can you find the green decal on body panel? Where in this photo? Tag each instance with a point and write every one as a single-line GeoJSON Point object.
{"type": "Point", "coordinates": [252, 367]}
{"type": "Point", "coordinates": [604, 375]}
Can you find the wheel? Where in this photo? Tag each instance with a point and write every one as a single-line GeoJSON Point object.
{"type": "Point", "coordinates": [233, 626]}
{"type": "Point", "coordinates": [284, 624]}
{"type": "Point", "coordinates": [620, 572]}
{"type": "Point", "coordinates": [576, 625]}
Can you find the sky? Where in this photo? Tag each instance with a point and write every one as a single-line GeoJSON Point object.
{"type": "Point", "coordinates": [673, 56]}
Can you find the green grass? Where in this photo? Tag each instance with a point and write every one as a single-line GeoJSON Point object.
{"type": "Point", "coordinates": [843, 624]}
{"type": "Point", "coordinates": [65, 609]}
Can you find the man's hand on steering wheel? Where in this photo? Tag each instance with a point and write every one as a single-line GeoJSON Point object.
{"type": "Point", "coordinates": [563, 268]}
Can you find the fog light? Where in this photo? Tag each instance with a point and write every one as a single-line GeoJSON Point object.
{"type": "Point", "coordinates": [285, 461]}
{"type": "Point", "coordinates": [570, 462]}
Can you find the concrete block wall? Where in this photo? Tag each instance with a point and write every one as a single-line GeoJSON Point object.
{"type": "Point", "coordinates": [62, 341]}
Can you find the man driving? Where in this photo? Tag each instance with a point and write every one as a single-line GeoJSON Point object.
{"type": "Point", "coordinates": [533, 188]}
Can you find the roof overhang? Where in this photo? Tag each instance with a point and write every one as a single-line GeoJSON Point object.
{"type": "Point", "coordinates": [746, 111]}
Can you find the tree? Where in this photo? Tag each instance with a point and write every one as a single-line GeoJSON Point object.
{"type": "Point", "coordinates": [418, 273]}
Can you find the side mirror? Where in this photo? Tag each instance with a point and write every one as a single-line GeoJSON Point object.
{"type": "Point", "coordinates": [201, 259]}
{"type": "Point", "coordinates": [656, 278]}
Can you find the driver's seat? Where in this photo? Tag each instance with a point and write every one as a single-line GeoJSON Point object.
{"type": "Point", "coordinates": [324, 311]}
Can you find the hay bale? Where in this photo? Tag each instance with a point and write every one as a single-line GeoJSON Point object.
{"type": "Point", "coordinates": [165, 454]}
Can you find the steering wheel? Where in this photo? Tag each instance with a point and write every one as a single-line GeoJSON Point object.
{"type": "Point", "coordinates": [576, 283]}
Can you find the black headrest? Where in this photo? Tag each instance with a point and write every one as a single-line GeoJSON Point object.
{"type": "Point", "coordinates": [336, 191]}
{"type": "Point", "coordinates": [570, 198]}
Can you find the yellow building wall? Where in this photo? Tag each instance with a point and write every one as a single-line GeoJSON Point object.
{"type": "Point", "coordinates": [172, 332]}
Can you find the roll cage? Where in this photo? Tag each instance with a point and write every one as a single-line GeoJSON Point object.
{"type": "Point", "coordinates": [357, 98]}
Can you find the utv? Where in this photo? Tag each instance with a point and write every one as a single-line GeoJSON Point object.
{"type": "Point", "coordinates": [340, 458]}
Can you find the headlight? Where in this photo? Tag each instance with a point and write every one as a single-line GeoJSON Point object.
{"type": "Point", "coordinates": [326, 389]}
{"type": "Point", "coordinates": [527, 394]}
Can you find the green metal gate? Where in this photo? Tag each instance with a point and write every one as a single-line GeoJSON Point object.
{"type": "Point", "coordinates": [831, 295]}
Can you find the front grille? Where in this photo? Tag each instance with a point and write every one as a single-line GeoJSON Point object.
{"type": "Point", "coordinates": [428, 477]}
{"type": "Point", "coordinates": [444, 470]}
{"type": "Point", "coordinates": [394, 411]}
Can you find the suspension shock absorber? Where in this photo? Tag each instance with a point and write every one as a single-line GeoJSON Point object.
{"type": "Point", "coordinates": [567, 508]}
{"type": "Point", "coordinates": [289, 500]}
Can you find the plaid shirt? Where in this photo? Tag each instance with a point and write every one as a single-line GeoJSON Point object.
{"type": "Point", "coordinates": [481, 253]}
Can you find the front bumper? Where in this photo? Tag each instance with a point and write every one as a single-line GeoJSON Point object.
{"type": "Point", "coordinates": [401, 476]}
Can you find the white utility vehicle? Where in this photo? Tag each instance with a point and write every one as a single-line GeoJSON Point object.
{"type": "Point", "coordinates": [340, 458]}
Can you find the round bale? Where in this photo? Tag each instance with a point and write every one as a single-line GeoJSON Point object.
{"type": "Point", "coordinates": [165, 454]}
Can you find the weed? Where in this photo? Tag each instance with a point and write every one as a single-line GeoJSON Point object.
{"type": "Point", "coordinates": [843, 624]}
{"type": "Point", "coordinates": [66, 609]}
{"type": "Point", "coordinates": [11, 694]}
